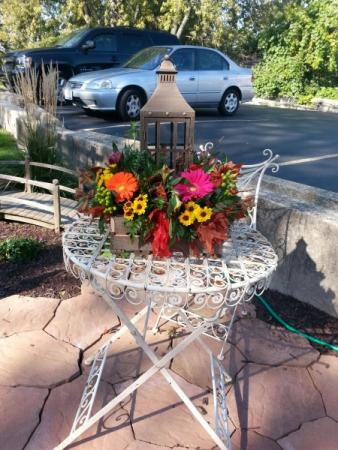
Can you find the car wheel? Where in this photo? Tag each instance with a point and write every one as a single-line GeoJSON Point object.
{"type": "Point", "coordinates": [130, 104]}
{"type": "Point", "coordinates": [229, 103]}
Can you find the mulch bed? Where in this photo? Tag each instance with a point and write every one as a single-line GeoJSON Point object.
{"type": "Point", "coordinates": [46, 277]}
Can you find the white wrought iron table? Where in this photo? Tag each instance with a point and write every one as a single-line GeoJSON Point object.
{"type": "Point", "coordinates": [198, 293]}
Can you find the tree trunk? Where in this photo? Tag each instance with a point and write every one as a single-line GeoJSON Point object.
{"type": "Point", "coordinates": [185, 19]}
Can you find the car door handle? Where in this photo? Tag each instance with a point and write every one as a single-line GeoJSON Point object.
{"type": "Point", "coordinates": [225, 78]}
{"type": "Point", "coordinates": [192, 78]}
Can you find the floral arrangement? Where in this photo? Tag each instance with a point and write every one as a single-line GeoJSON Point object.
{"type": "Point", "coordinates": [194, 207]}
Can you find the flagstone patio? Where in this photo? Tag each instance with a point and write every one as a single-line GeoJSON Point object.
{"type": "Point", "coordinates": [284, 393]}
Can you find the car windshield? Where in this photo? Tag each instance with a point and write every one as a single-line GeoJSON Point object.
{"type": "Point", "coordinates": [148, 58]}
{"type": "Point", "coordinates": [73, 39]}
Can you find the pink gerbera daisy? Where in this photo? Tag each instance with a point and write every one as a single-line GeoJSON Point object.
{"type": "Point", "coordinates": [198, 185]}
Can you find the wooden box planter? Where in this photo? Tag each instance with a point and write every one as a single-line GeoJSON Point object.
{"type": "Point", "coordinates": [120, 239]}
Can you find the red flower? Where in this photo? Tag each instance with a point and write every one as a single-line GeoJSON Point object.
{"type": "Point", "coordinates": [234, 168]}
{"type": "Point", "coordinates": [161, 235]}
{"type": "Point", "coordinates": [96, 211]}
{"type": "Point", "coordinates": [216, 178]}
{"type": "Point", "coordinates": [160, 191]}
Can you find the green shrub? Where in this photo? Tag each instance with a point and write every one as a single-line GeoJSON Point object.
{"type": "Point", "coordinates": [19, 250]}
{"type": "Point", "coordinates": [280, 76]}
{"type": "Point", "coordinates": [328, 92]}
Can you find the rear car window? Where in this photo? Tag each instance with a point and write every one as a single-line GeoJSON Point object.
{"type": "Point", "coordinates": [210, 60]}
{"type": "Point", "coordinates": [105, 42]}
{"type": "Point", "coordinates": [133, 42]}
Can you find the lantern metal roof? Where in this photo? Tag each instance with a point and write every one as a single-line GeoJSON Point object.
{"type": "Point", "coordinates": [166, 100]}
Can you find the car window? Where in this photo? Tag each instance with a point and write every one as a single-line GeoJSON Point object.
{"type": "Point", "coordinates": [209, 60]}
{"type": "Point", "coordinates": [72, 39]}
{"type": "Point", "coordinates": [148, 58]}
{"type": "Point", "coordinates": [133, 42]}
{"type": "Point", "coordinates": [164, 38]}
{"type": "Point", "coordinates": [183, 59]}
{"type": "Point", "coordinates": [105, 42]}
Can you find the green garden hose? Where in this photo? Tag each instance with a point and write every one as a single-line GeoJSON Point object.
{"type": "Point", "coordinates": [294, 330]}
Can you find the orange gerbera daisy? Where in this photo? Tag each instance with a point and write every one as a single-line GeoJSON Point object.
{"type": "Point", "coordinates": [124, 184]}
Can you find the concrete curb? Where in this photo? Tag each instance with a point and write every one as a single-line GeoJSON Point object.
{"type": "Point", "coordinates": [319, 104]}
{"type": "Point", "coordinates": [300, 221]}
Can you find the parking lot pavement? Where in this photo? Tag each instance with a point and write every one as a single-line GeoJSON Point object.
{"type": "Point", "coordinates": [307, 141]}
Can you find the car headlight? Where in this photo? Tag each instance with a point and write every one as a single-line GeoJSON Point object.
{"type": "Point", "coordinates": [24, 62]}
{"type": "Point", "coordinates": [101, 84]}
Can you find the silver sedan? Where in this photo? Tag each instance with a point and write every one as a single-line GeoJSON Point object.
{"type": "Point", "coordinates": [206, 78]}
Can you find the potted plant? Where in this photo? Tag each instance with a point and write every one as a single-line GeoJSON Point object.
{"type": "Point", "coordinates": [152, 208]}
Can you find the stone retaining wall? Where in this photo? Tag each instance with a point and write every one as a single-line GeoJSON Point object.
{"type": "Point", "coordinates": [300, 221]}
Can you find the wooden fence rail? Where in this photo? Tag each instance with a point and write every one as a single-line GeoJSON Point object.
{"type": "Point", "coordinates": [35, 210]}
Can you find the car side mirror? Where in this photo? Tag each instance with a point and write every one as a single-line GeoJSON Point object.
{"type": "Point", "coordinates": [88, 45]}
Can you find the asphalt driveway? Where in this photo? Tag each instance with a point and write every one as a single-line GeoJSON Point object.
{"type": "Point", "coordinates": [306, 141]}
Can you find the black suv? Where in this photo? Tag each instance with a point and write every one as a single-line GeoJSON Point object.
{"type": "Point", "coordinates": [85, 50]}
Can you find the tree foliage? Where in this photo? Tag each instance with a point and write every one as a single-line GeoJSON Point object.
{"type": "Point", "coordinates": [300, 50]}
{"type": "Point", "coordinates": [296, 41]}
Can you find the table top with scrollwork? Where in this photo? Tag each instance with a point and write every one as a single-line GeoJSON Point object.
{"type": "Point", "coordinates": [248, 261]}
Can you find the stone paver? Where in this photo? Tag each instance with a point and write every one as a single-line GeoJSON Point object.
{"type": "Point", "coordinates": [194, 362]}
{"type": "Point", "coordinates": [321, 434]}
{"type": "Point", "coordinates": [262, 345]}
{"type": "Point", "coordinates": [282, 389]}
{"type": "Point", "coordinates": [18, 313]}
{"type": "Point", "coordinates": [36, 359]}
{"type": "Point", "coordinates": [161, 418]}
{"type": "Point", "coordinates": [325, 377]}
{"type": "Point", "coordinates": [19, 415]}
{"type": "Point", "coordinates": [82, 320]}
{"type": "Point", "coordinates": [273, 401]}
{"type": "Point", "coordinates": [59, 412]}
{"type": "Point", "coordinates": [249, 440]}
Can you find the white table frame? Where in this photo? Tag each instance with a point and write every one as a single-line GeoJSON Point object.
{"type": "Point", "coordinates": [187, 288]}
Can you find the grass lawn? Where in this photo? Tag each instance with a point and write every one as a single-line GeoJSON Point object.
{"type": "Point", "coordinates": [9, 151]}
{"type": "Point", "coordinates": [8, 148]}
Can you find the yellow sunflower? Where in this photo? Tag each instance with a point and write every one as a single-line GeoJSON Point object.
{"type": "Point", "coordinates": [104, 174]}
{"type": "Point", "coordinates": [192, 208]}
{"type": "Point", "coordinates": [204, 214]}
{"type": "Point", "coordinates": [127, 206]}
{"type": "Point", "coordinates": [142, 198]}
{"type": "Point", "coordinates": [186, 218]}
{"type": "Point", "coordinates": [128, 214]}
{"type": "Point", "coordinates": [139, 205]}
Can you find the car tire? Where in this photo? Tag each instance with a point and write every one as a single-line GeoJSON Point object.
{"type": "Point", "coordinates": [229, 103]}
{"type": "Point", "coordinates": [130, 104]}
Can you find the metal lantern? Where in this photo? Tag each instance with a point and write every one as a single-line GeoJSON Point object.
{"type": "Point", "coordinates": [167, 121]}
